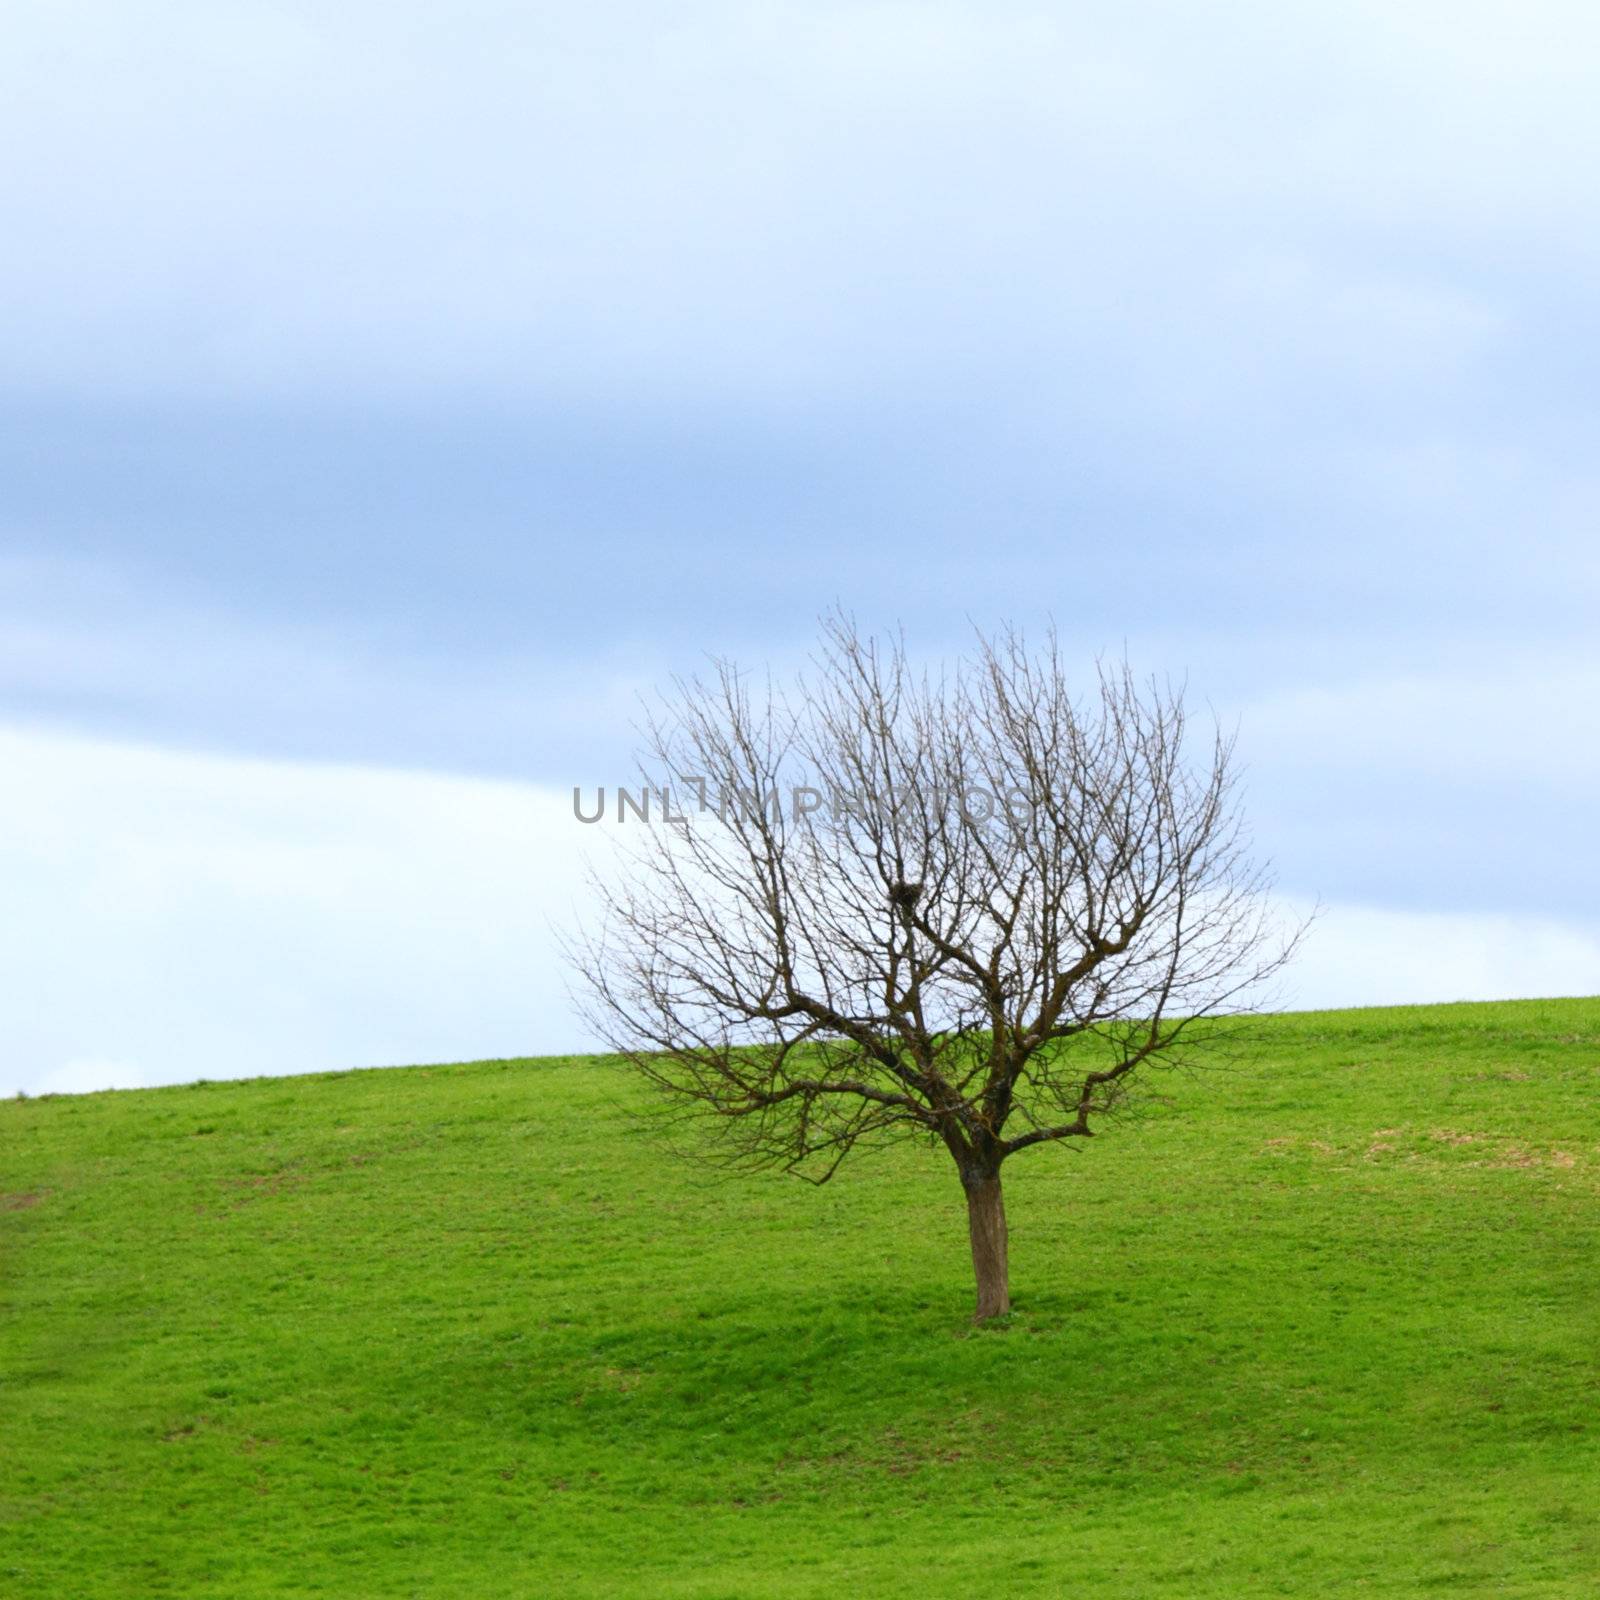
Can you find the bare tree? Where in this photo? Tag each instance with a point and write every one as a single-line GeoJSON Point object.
{"type": "Point", "coordinates": [962, 907]}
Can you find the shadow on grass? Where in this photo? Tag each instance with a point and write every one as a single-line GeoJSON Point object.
{"type": "Point", "coordinates": [750, 1393]}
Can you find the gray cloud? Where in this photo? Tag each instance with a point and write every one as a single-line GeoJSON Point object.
{"type": "Point", "coordinates": [406, 387]}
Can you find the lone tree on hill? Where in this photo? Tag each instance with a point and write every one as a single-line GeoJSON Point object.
{"type": "Point", "coordinates": [962, 908]}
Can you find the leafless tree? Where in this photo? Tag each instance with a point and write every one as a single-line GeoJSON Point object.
{"type": "Point", "coordinates": [962, 907]}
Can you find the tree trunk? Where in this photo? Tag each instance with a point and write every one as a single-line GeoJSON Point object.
{"type": "Point", "coordinates": [986, 1223]}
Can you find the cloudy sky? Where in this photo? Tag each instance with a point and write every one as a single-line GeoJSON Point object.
{"type": "Point", "coordinates": [390, 392]}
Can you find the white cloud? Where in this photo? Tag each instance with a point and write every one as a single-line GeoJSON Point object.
{"type": "Point", "coordinates": [88, 1074]}
{"type": "Point", "coordinates": [177, 916]}
{"type": "Point", "coordinates": [1360, 955]}
{"type": "Point", "coordinates": [767, 193]}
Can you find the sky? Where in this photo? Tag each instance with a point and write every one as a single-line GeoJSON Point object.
{"type": "Point", "coordinates": [390, 395]}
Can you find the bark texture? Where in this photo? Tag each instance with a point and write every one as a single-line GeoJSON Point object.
{"type": "Point", "coordinates": [986, 1223]}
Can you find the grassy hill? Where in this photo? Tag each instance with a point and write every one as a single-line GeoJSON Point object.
{"type": "Point", "coordinates": [1328, 1325]}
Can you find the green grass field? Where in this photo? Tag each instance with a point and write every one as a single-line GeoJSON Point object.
{"type": "Point", "coordinates": [1327, 1324]}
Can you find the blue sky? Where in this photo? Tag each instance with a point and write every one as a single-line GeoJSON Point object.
{"type": "Point", "coordinates": [391, 392]}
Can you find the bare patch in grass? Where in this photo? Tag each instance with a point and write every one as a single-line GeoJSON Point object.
{"type": "Point", "coordinates": [1382, 1143]}
{"type": "Point", "coordinates": [1519, 1158]}
{"type": "Point", "coordinates": [1291, 1143]}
